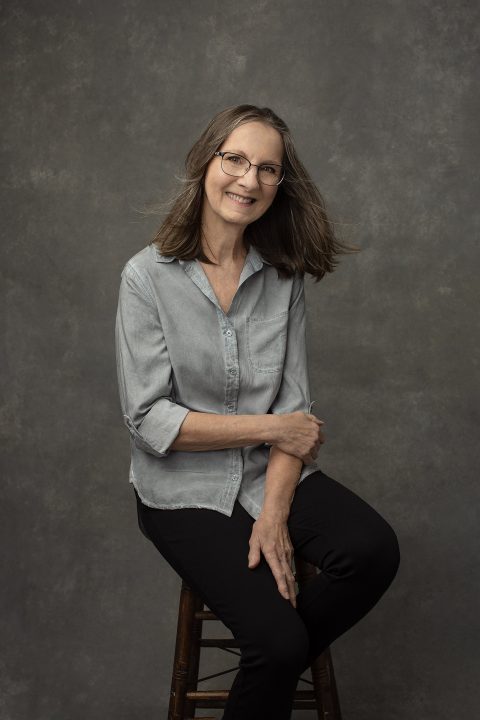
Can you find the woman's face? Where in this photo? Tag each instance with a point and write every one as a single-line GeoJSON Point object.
{"type": "Point", "coordinates": [259, 143]}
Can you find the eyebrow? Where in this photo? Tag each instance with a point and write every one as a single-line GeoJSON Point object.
{"type": "Point", "coordinates": [265, 162]}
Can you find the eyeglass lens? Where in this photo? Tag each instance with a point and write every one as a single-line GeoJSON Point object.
{"type": "Point", "coordinates": [237, 165]}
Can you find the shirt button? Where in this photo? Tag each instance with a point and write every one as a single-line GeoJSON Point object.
{"type": "Point", "coordinates": [234, 477]}
{"type": "Point", "coordinates": [228, 332]}
{"type": "Point", "coordinates": [233, 371]}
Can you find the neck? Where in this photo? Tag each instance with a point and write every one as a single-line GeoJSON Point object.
{"type": "Point", "coordinates": [223, 242]}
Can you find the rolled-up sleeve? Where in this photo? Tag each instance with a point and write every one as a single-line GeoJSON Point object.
{"type": "Point", "coordinates": [294, 391]}
{"type": "Point", "coordinates": [144, 371]}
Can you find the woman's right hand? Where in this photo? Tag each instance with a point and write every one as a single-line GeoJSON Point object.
{"type": "Point", "coordinates": [299, 434]}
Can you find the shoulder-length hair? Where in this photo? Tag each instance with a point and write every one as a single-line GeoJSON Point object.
{"type": "Point", "coordinates": [294, 234]}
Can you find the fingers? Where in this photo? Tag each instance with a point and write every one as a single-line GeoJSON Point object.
{"type": "Point", "coordinates": [290, 578]}
{"type": "Point", "coordinates": [317, 420]}
{"type": "Point", "coordinates": [278, 553]}
{"type": "Point", "coordinates": [254, 554]}
{"type": "Point", "coordinates": [285, 579]}
{"type": "Point", "coordinates": [316, 448]}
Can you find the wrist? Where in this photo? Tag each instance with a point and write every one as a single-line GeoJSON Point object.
{"type": "Point", "coordinates": [278, 510]}
{"type": "Point", "coordinates": [272, 428]}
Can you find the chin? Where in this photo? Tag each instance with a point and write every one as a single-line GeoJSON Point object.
{"type": "Point", "coordinates": [237, 221]}
{"type": "Point", "coordinates": [239, 216]}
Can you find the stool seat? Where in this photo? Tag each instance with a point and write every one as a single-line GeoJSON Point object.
{"type": "Point", "coordinates": [186, 698]}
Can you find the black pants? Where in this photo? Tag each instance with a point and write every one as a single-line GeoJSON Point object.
{"type": "Point", "coordinates": [330, 526]}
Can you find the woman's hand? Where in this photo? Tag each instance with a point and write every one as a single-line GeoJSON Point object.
{"type": "Point", "coordinates": [270, 536]}
{"type": "Point", "coordinates": [299, 434]}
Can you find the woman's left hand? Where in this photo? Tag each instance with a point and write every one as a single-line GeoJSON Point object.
{"type": "Point", "coordinates": [270, 536]}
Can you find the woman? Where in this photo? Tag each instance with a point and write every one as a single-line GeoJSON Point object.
{"type": "Point", "coordinates": [214, 389]}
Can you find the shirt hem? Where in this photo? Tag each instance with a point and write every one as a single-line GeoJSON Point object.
{"type": "Point", "coordinates": [178, 506]}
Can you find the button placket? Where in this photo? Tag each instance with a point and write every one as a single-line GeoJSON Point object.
{"type": "Point", "coordinates": [232, 364]}
{"type": "Point", "coordinates": [232, 385]}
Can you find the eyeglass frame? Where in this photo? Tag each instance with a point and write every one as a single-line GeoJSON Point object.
{"type": "Point", "coordinates": [221, 153]}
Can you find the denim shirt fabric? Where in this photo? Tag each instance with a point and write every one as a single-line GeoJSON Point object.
{"type": "Point", "coordinates": [176, 351]}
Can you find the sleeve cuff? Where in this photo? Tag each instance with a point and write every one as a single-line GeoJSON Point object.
{"type": "Point", "coordinates": [159, 428]}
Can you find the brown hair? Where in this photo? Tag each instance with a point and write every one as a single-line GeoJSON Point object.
{"type": "Point", "coordinates": [296, 219]}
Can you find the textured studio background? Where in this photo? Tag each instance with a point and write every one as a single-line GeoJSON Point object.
{"type": "Point", "coordinates": [101, 101]}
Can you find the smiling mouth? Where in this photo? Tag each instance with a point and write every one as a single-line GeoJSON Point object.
{"type": "Point", "coordinates": [240, 200]}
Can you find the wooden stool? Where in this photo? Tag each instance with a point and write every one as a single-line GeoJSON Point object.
{"type": "Point", "coordinates": [185, 697]}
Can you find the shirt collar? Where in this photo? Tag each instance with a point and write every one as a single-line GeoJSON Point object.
{"type": "Point", "coordinates": [253, 257]}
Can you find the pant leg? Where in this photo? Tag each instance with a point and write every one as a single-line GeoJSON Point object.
{"type": "Point", "coordinates": [210, 551]}
{"type": "Point", "coordinates": [355, 548]}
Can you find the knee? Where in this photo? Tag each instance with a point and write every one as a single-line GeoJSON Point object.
{"type": "Point", "coordinates": [379, 553]}
{"type": "Point", "coordinates": [374, 554]}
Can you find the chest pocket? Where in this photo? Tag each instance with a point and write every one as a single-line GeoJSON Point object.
{"type": "Point", "coordinates": [267, 342]}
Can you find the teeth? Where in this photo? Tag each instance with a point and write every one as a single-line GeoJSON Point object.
{"type": "Point", "coordinates": [240, 199]}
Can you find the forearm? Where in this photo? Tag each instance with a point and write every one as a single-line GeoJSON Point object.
{"type": "Point", "coordinates": [283, 473]}
{"type": "Point", "coordinates": [209, 431]}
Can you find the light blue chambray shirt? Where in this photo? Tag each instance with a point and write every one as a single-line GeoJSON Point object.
{"type": "Point", "coordinates": [177, 350]}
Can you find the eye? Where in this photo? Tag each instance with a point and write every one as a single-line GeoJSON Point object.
{"type": "Point", "coordinates": [234, 159]}
{"type": "Point", "coordinates": [270, 169]}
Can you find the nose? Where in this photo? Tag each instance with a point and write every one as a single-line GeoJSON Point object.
{"type": "Point", "coordinates": [250, 179]}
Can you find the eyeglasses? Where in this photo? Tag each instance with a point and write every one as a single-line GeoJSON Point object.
{"type": "Point", "coordinates": [237, 166]}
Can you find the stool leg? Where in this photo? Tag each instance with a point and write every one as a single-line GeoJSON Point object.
{"type": "Point", "coordinates": [183, 646]}
{"type": "Point", "coordinates": [325, 687]}
{"type": "Point", "coordinates": [192, 679]}
{"type": "Point", "coordinates": [323, 676]}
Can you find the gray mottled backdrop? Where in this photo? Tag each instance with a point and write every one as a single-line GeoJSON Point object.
{"type": "Point", "coordinates": [101, 101]}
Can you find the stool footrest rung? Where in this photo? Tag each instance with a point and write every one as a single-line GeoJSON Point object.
{"type": "Point", "coordinates": [199, 695]}
{"type": "Point", "coordinates": [205, 615]}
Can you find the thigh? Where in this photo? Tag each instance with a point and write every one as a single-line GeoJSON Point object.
{"type": "Point", "coordinates": [209, 550]}
{"type": "Point", "coordinates": [329, 522]}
